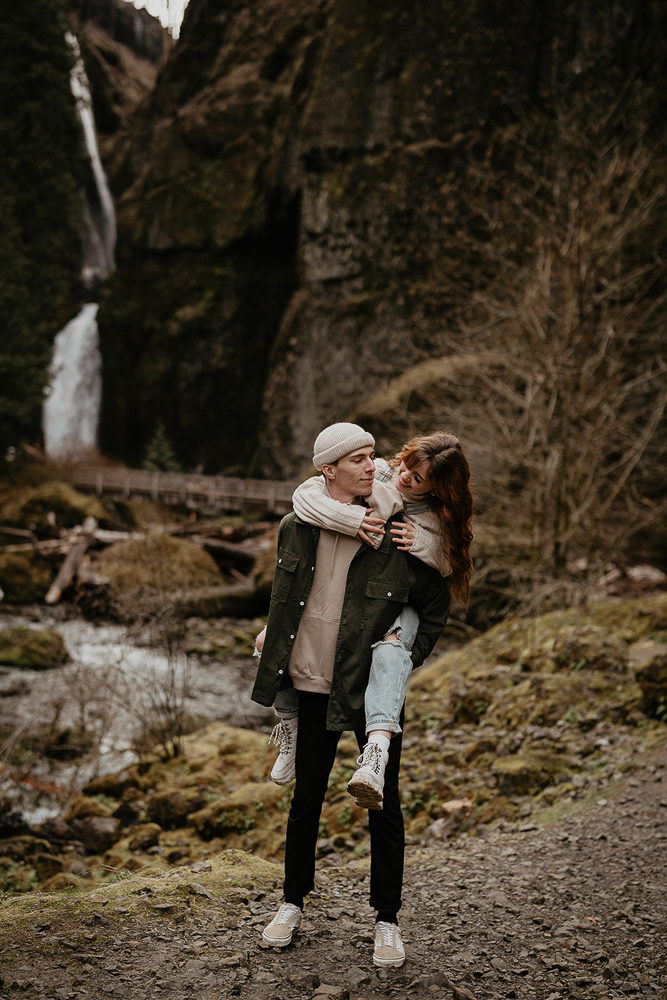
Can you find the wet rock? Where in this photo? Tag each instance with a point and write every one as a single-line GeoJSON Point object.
{"type": "Point", "coordinates": [122, 861]}
{"type": "Point", "coordinates": [20, 847]}
{"type": "Point", "coordinates": [12, 824]}
{"type": "Point", "coordinates": [34, 649]}
{"type": "Point", "coordinates": [96, 833]}
{"type": "Point", "coordinates": [145, 837]}
{"type": "Point", "coordinates": [467, 702]}
{"type": "Point", "coordinates": [172, 807]}
{"type": "Point", "coordinates": [47, 865]}
{"type": "Point", "coordinates": [56, 830]}
{"type": "Point", "coordinates": [80, 806]}
{"type": "Point", "coordinates": [652, 679]}
{"type": "Point", "coordinates": [589, 647]}
{"type": "Point", "coordinates": [115, 785]}
{"type": "Point", "coordinates": [131, 812]}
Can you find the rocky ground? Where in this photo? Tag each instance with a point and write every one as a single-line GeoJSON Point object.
{"type": "Point", "coordinates": [575, 908]}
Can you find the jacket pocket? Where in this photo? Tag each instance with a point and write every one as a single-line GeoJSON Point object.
{"type": "Point", "coordinates": [380, 594]}
{"type": "Point", "coordinates": [284, 575]}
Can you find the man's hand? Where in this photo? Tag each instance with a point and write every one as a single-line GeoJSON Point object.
{"type": "Point", "coordinates": [404, 536]}
{"type": "Point", "coordinates": [259, 641]}
{"type": "Point", "coordinates": [370, 526]}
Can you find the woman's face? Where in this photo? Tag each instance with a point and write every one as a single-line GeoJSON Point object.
{"type": "Point", "coordinates": [415, 480]}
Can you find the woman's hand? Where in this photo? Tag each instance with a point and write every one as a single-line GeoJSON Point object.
{"type": "Point", "coordinates": [370, 526]}
{"type": "Point", "coordinates": [404, 535]}
{"type": "Point", "coordinates": [259, 641]}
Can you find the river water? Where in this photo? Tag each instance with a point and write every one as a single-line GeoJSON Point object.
{"type": "Point", "coordinates": [109, 688]}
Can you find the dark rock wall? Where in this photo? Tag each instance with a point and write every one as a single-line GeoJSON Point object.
{"type": "Point", "coordinates": [293, 196]}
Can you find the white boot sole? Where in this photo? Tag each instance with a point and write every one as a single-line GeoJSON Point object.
{"type": "Point", "coordinates": [367, 796]}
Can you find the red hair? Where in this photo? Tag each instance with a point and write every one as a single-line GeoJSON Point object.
{"type": "Point", "coordinates": [450, 499]}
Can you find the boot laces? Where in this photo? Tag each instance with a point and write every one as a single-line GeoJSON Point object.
{"type": "Point", "coordinates": [371, 757]}
{"type": "Point", "coordinates": [282, 737]}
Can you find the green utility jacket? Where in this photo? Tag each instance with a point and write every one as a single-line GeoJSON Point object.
{"type": "Point", "coordinates": [379, 582]}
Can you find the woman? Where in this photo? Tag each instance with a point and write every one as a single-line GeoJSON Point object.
{"type": "Point", "coordinates": [432, 476]}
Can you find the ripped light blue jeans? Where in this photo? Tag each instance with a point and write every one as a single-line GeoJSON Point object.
{"type": "Point", "coordinates": [391, 667]}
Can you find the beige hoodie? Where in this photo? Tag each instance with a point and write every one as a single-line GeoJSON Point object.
{"type": "Point", "coordinates": [312, 659]}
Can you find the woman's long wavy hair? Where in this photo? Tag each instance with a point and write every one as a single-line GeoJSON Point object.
{"type": "Point", "coordinates": [450, 499]}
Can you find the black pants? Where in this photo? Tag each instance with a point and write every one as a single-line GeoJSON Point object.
{"type": "Point", "coordinates": [315, 753]}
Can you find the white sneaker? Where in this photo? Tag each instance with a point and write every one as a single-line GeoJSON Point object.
{"type": "Point", "coordinates": [389, 948]}
{"type": "Point", "coordinates": [284, 736]}
{"type": "Point", "coordinates": [367, 784]}
{"type": "Point", "coordinates": [286, 921]}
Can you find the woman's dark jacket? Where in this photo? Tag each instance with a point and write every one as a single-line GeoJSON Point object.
{"type": "Point", "coordinates": [379, 582]}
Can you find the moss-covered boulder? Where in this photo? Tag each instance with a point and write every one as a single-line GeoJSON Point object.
{"type": "Point", "coordinates": [25, 577]}
{"type": "Point", "coordinates": [35, 649]}
{"type": "Point", "coordinates": [157, 563]}
{"type": "Point", "coordinates": [578, 647]}
{"type": "Point", "coordinates": [32, 506]}
{"type": "Point", "coordinates": [652, 678]}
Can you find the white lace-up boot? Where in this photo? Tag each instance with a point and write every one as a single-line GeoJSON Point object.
{"type": "Point", "coordinates": [284, 736]}
{"type": "Point", "coordinates": [389, 948]}
{"type": "Point", "coordinates": [281, 929]}
{"type": "Point", "coordinates": [367, 784]}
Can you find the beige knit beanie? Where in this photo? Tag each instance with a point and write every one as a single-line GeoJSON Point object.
{"type": "Point", "coordinates": [338, 440]}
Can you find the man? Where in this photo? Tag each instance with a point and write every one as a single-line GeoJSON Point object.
{"type": "Point", "coordinates": [333, 598]}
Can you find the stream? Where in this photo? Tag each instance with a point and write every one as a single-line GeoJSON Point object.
{"type": "Point", "coordinates": [109, 689]}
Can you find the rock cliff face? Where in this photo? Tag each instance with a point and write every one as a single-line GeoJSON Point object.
{"type": "Point", "coordinates": [123, 49]}
{"type": "Point", "coordinates": [294, 194]}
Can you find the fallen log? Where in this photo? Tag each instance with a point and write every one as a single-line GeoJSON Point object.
{"type": "Point", "coordinates": [67, 571]}
{"type": "Point", "coordinates": [238, 553]}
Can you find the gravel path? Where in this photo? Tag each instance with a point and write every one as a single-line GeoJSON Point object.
{"type": "Point", "coordinates": [577, 909]}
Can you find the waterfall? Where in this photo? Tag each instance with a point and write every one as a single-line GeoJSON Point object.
{"type": "Point", "coordinates": [72, 405]}
{"type": "Point", "coordinates": [98, 261]}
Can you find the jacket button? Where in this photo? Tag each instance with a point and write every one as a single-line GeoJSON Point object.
{"type": "Point", "coordinates": [280, 671]}
{"type": "Point", "coordinates": [389, 593]}
{"type": "Point", "coordinates": [312, 569]}
{"type": "Point", "coordinates": [302, 603]}
{"type": "Point", "coordinates": [291, 637]}
{"type": "Point", "coordinates": [280, 560]}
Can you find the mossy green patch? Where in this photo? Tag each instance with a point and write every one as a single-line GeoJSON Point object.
{"type": "Point", "coordinates": [158, 563]}
{"type": "Point", "coordinates": [151, 892]}
{"type": "Point", "coordinates": [25, 577]}
{"type": "Point", "coordinates": [31, 506]}
{"type": "Point", "coordinates": [36, 649]}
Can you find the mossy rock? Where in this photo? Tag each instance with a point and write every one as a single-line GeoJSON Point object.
{"type": "Point", "coordinates": [171, 808]}
{"type": "Point", "coordinates": [581, 647]}
{"type": "Point", "coordinates": [24, 577]}
{"type": "Point", "coordinates": [31, 506]}
{"type": "Point", "coordinates": [34, 649]}
{"type": "Point", "coordinates": [522, 773]}
{"type": "Point", "coordinates": [652, 679]}
{"type": "Point", "coordinates": [241, 810]}
{"type": "Point", "coordinates": [157, 563]}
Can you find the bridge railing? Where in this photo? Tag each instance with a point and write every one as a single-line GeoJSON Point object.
{"type": "Point", "coordinates": [194, 491]}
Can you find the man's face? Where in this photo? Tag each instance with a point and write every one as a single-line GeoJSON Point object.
{"type": "Point", "coordinates": [352, 476]}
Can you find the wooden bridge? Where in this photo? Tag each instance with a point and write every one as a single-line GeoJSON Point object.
{"type": "Point", "coordinates": [213, 493]}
